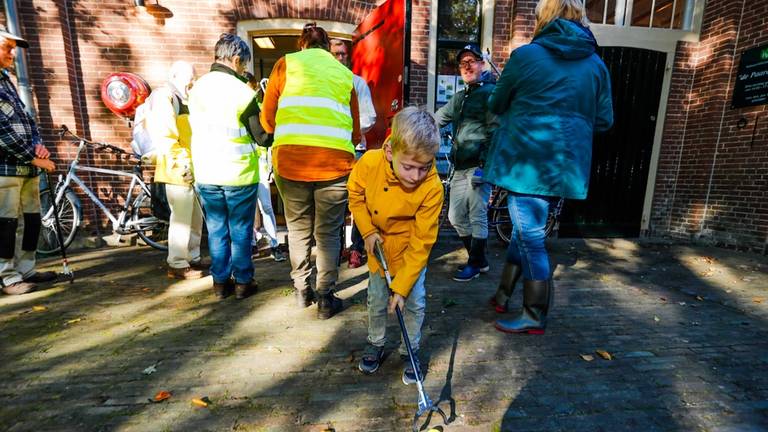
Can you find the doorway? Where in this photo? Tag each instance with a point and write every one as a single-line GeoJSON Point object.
{"type": "Point", "coordinates": [267, 50]}
{"type": "Point", "coordinates": [621, 157]}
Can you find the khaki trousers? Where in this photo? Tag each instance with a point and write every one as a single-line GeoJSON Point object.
{"type": "Point", "coordinates": [18, 195]}
{"type": "Point", "coordinates": [185, 226]}
{"type": "Point", "coordinates": [314, 210]}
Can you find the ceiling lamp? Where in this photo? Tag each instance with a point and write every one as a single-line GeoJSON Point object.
{"type": "Point", "coordinates": [264, 42]}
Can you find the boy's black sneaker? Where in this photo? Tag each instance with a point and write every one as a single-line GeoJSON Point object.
{"type": "Point", "coordinates": [371, 360]}
{"type": "Point", "coordinates": [409, 375]}
{"type": "Point", "coordinates": [278, 255]}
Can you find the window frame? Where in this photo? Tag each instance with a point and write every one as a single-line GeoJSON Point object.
{"type": "Point", "coordinates": [691, 23]}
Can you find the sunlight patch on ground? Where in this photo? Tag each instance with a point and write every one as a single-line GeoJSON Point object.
{"type": "Point", "coordinates": [31, 297]}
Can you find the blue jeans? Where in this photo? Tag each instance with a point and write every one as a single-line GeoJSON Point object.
{"type": "Point", "coordinates": [229, 218]}
{"type": "Point", "coordinates": [527, 248]}
{"type": "Point", "coordinates": [413, 315]}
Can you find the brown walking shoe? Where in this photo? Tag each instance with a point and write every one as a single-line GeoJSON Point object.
{"type": "Point", "coordinates": [19, 288]}
{"type": "Point", "coordinates": [41, 277]}
{"type": "Point", "coordinates": [244, 290]}
{"type": "Point", "coordinates": [223, 290]}
{"type": "Point", "coordinates": [185, 273]}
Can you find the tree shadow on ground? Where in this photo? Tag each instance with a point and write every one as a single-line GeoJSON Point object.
{"type": "Point", "coordinates": [681, 353]}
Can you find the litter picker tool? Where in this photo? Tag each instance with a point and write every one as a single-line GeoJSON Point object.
{"type": "Point", "coordinates": [425, 404]}
{"type": "Point", "coordinates": [62, 247]}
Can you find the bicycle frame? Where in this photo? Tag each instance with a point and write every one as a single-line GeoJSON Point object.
{"type": "Point", "coordinates": [119, 223]}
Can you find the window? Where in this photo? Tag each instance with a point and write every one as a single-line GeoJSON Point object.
{"type": "Point", "coordinates": [458, 24]}
{"type": "Point", "coordinates": [667, 14]}
{"type": "Point", "coordinates": [601, 11]}
{"type": "Point", "coordinates": [458, 20]}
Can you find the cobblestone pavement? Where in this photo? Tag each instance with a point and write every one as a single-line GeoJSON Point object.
{"type": "Point", "coordinates": [687, 327]}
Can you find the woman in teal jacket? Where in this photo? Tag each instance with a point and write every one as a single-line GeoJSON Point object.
{"type": "Point", "coordinates": [553, 94]}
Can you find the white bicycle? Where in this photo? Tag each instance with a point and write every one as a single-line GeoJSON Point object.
{"type": "Point", "coordinates": [134, 217]}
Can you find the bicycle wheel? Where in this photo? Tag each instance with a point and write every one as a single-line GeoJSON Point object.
{"type": "Point", "coordinates": [69, 218]}
{"type": "Point", "coordinates": [499, 216]}
{"type": "Point", "coordinates": [151, 230]}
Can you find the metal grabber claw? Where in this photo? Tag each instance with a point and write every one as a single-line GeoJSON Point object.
{"type": "Point", "coordinates": [425, 404]}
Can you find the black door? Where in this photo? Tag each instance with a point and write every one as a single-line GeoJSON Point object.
{"type": "Point", "coordinates": [620, 157]}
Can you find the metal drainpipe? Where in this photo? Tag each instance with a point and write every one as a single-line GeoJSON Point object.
{"type": "Point", "coordinates": [22, 74]}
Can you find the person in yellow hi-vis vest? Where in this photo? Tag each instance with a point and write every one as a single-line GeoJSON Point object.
{"type": "Point", "coordinates": [225, 164]}
{"type": "Point", "coordinates": [311, 106]}
{"type": "Point", "coordinates": [168, 126]}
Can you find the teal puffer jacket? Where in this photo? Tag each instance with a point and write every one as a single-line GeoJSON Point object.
{"type": "Point", "coordinates": [553, 94]}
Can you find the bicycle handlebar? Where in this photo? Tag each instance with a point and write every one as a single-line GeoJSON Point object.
{"type": "Point", "coordinates": [64, 130]}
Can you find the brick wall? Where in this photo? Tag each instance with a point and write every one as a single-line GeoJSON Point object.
{"type": "Point", "coordinates": [712, 181]}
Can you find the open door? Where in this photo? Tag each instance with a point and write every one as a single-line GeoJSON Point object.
{"type": "Point", "coordinates": [379, 53]}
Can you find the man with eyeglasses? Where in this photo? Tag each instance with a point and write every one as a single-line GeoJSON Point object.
{"type": "Point", "coordinates": [473, 125]}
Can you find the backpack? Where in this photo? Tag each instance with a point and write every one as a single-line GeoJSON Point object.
{"type": "Point", "coordinates": [141, 142]}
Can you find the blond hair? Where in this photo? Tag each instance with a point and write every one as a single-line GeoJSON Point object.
{"type": "Point", "coordinates": [414, 131]}
{"type": "Point", "coordinates": [550, 10]}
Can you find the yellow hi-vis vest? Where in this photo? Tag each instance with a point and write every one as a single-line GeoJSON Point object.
{"type": "Point", "coordinates": [222, 151]}
{"type": "Point", "coordinates": [313, 109]}
{"type": "Point", "coordinates": [168, 122]}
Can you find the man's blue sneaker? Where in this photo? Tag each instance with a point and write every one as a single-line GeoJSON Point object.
{"type": "Point", "coordinates": [371, 359]}
{"type": "Point", "coordinates": [466, 274]}
{"type": "Point", "coordinates": [409, 375]}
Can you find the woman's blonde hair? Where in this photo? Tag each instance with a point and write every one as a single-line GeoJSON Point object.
{"type": "Point", "coordinates": [414, 130]}
{"type": "Point", "coordinates": [550, 10]}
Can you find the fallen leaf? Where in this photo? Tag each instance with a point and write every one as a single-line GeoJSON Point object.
{"type": "Point", "coordinates": [699, 298]}
{"type": "Point", "coordinates": [39, 308]}
{"type": "Point", "coordinates": [149, 370]}
{"type": "Point", "coordinates": [657, 319]}
{"type": "Point", "coordinates": [162, 395]}
{"type": "Point", "coordinates": [663, 298]}
{"type": "Point", "coordinates": [758, 299]}
{"type": "Point", "coordinates": [604, 354]}
{"type": "Point", "coordinates": [146, 289]}
{"type": "Point", "coordinates": [587, 357]}
{"type": "Point", "coordinates": [200, 402]}
{"type": "Point", "coordinates": [681, 303]}
{"type": "Point", "coordinates": [73, 321]}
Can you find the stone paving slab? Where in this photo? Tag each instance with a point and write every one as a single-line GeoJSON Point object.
{"type": "Point", "coordinates": [687, 327]}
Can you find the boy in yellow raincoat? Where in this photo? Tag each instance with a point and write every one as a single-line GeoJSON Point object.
{"type": "Point", "coordinates": [395, 197]}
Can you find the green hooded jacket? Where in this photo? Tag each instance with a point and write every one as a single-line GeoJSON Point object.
{"type": "Point", "coordinates": [473, 123]}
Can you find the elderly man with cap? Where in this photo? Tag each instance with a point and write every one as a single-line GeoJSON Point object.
{"type": "Point", "coordinates": [168, 125]}
{"type": "Point", "coordinates": [473, 125]}
{"type": "Point", "coordinates": [22, 154]}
